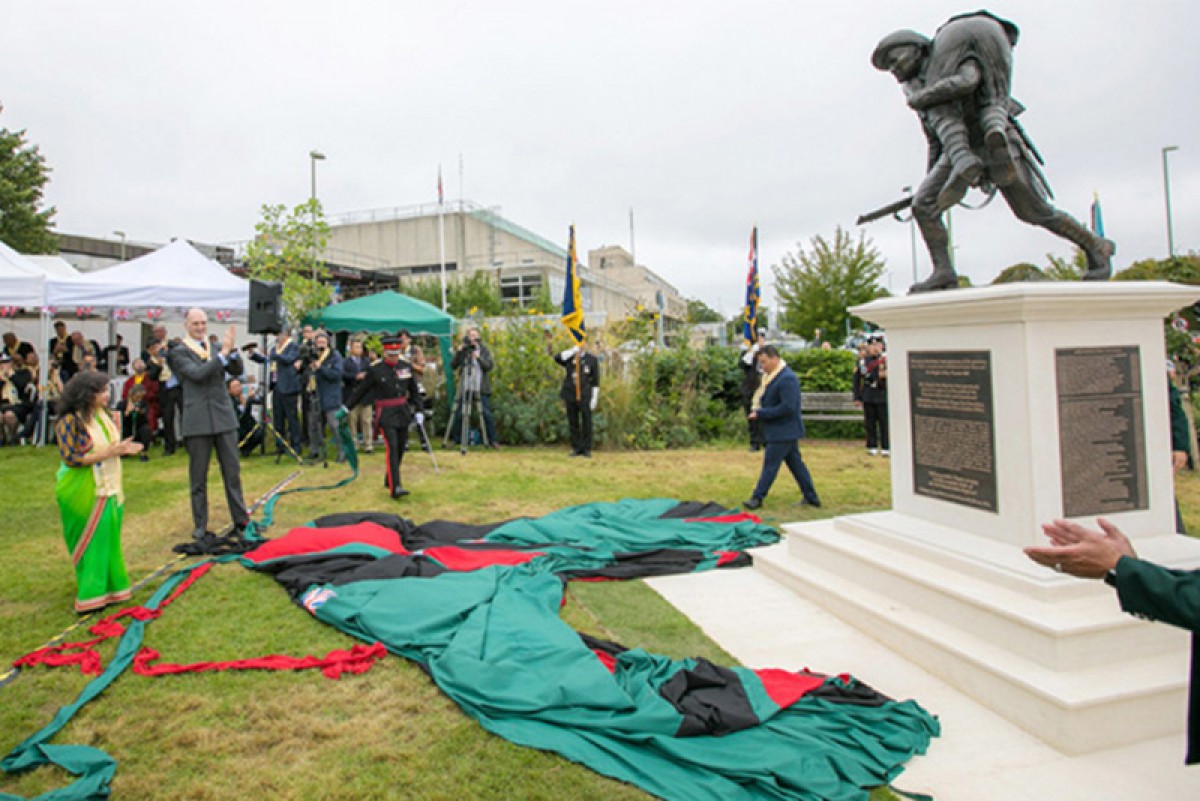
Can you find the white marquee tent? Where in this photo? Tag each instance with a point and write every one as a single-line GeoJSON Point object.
{"type": "Point", "coordinates": [55, 266]}
{"type": "Point", "coordinates": [21, 282]}
{"type": "Point", "coordinates": [174, 277]}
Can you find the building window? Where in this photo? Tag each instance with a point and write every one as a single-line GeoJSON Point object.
{"type": "Point", "coordinates": [519, 290]}
{"type": "Point", "coordinates": [428, 269]}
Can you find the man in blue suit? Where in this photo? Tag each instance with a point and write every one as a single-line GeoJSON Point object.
{"type": "Point", "coordinates": [777, 406]}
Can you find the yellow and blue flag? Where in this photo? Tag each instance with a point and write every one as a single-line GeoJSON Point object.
{"type": "Point", "coordinates": [572, 307]}
{"type": "Point", "coordinates": [753, 293]}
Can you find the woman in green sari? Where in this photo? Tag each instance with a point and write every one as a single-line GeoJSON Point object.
{"type": "Point", "coordinates": [89, 490]}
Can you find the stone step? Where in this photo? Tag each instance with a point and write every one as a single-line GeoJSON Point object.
{"type": "Point", "coordinates": [1057, 622]}
{"type": "Point", "coordinates": [1087, 707]}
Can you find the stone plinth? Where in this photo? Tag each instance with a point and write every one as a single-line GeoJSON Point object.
{"type": "Point", "coordinates": [1010, 406]}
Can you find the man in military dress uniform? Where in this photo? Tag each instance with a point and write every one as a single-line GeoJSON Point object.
{"type": "Point", "coordinates": [393, 384]}
{"type": "Point", "coordinates": [580, 391]}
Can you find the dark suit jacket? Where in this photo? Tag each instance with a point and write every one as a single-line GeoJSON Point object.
{"type": "Point", "coordinates": [780, 410]}
{"type": "Point", "coordinates": [206, 406]}
{"type": "Point", "coordinates": [329, 382]}
{"type": "Point", "coordinates": [287, 380]}
{"type": "Point", "coordinates": [1170, 596]}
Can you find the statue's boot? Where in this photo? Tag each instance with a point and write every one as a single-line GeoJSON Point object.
{"type": "Point", "coordinates": [1001, 166]}
{"type": "Point", "coordinates": [1099, 251]}
{"type": "Point", "coordinates": [1099, 259]}
{"type": "Point", "coordinates": [965, 167]}
{"type": "Point", "coordinates": [942, 278]}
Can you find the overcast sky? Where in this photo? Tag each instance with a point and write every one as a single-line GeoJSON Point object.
{"type": "Point", "coordinates": [179, 119]}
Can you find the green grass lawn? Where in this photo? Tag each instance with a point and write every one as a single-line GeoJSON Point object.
{"type": "Point", "coordinates": [388, 733]}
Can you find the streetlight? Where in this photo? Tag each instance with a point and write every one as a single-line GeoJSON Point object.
{"type": "Point", "coordinates": [313, 157]}
{"type": "Point", "coordinates": [1167, 195]}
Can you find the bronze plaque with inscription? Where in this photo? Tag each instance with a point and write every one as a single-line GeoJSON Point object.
{"type": "Point", "coordinates": [953, 432]}
{"type": "Point", "coordinates": [1102, 439]}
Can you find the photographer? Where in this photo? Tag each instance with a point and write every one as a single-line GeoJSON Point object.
{"type": "Point", "coordinates": [327, 377]}
{"type": "Point", "coordinates": [473, 363]}
{"type": "Point", "coordinates": [311, 417]}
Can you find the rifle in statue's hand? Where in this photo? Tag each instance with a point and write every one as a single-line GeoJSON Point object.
{"type": "Point", "coordinates": [891, 208]}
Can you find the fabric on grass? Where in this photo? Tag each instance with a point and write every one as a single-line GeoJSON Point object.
{"type": "Point", "coordinates": [485, 625]}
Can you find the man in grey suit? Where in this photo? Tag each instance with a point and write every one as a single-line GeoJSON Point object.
{"type": "Point", "coordinates": [208, 420]}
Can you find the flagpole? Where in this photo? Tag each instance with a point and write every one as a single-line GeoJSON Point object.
{"type": "Point", "coordinates": [442, 237]}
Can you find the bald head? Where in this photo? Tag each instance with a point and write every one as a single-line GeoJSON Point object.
{"type": "Point", "coordinates": [196, 323]}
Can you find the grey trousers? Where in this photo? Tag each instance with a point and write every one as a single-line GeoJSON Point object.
{"type": "Point", "coordinates": [200, 450]}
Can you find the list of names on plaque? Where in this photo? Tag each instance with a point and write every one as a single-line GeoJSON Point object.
{"type": "Point", "coordinates": [1102, 438]}
{"type": "Point", "coordinates": [953, 431]}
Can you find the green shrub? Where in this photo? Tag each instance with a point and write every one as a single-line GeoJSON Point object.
{"type": "Point", "coordinates": [672, 398]}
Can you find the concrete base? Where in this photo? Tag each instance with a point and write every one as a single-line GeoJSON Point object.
{"type": "Point", "coordinates": [1053, 654]}
{"type": "Point", "coordinates": [980, 755]}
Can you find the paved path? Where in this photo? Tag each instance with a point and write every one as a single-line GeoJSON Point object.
{"type": "Point", "coordinates": [979, 757]}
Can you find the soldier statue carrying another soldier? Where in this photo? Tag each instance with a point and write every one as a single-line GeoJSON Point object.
{"type": "Point", "coordinates": [958, 84]}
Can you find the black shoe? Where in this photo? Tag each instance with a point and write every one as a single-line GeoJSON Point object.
{"type": "Point", "coordinates": [586, 454]}
{"type": "Point", "coordinates": [199, 534]}
{"type": "Point", "coordinates": [816, 504]}
{"type": "Point", "coordinates": [752, 504]}
{"type": "Point", "coordinates": [143, 457]}
{"type": "Point", "coordinates": [755, 448]}
{"type": "Point", "coordinates": [399, 492]}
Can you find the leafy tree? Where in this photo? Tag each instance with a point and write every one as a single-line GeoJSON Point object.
{"type": "Point", "coordinates": [477, 294]}
{"type": "Point", "coordinates": [286, 248]}
{"type": "Point", "coordinates": [815, 286]}
{"type": "Point", "coordinates": [23, 177]}
{"type": "Point", "coordinates": [700, 312]}
{"type": "Point", "coordinates": [1022, 271]}
{"type": "Point", "coordinates": [1180, 269]}
{"type": "Point", "coordinates": [1062, 270]}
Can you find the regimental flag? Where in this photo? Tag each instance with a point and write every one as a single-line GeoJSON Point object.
{"type": "Point", "coordinates": [753, 293]}
{"type": "Point", "coordinates": [572, 307]}
{"type": "Point", "coordinates": [1097, 217]}
{"type": "Point", "coordinates": [441, 196]}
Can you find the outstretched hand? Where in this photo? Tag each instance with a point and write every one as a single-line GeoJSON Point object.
{"type": "Point", "coordinates": [1081, 551]}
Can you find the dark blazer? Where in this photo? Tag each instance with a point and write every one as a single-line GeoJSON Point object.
{"type": "Point", "coordinates": [589, 377]}
{"type": "Point", "coordinates": [780, 410]}
{"type": "Point", "coordinates": [329, 382]}
{"type": "Point", "coordinates": [206, 406]}
{"type": "Point", "coordinates": [287, 380]}
{"type": "Point", "coordinates": [1154, 592]}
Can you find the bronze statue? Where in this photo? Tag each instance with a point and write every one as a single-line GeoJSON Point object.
{"type": "Point", "coordinates": [958, 84]}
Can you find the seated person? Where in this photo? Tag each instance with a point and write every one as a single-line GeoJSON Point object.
{"type": "Point", "coordinates": [135, 418]}
{"type": "Point", "coordinates": [13, 404]}
{"type": "Point", "coordinates": [250, 434]}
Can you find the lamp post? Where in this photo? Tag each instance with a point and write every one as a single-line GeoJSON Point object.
{"type": "Point", "coordinates": [313, 157]}
{"type": "Point", "coordinates": [1167, 195]}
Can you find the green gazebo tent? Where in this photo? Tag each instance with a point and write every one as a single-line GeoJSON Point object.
{"type": "Point", "coordinates": [388, 312]}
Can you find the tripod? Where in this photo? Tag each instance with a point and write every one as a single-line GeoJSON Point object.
{"type": "Point", "coordinates": [468, 398]}
{"type": "Point", "coordinates": [314, 422]}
